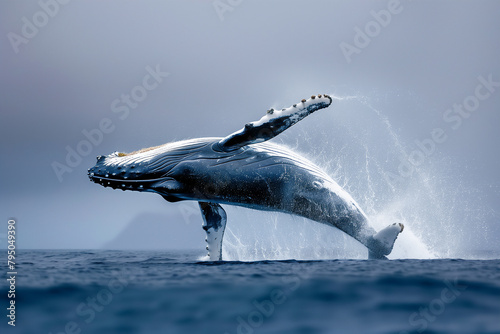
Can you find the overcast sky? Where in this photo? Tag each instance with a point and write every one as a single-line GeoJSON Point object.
{"type": "Point", "coordinates": [401, 68]}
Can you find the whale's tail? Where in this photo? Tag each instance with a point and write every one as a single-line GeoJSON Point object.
{"type": "Point", "coordinates": [381, 243]}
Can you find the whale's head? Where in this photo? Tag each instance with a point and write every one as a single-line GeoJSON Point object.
{"type": "Point", "coordinates": [144, 170]}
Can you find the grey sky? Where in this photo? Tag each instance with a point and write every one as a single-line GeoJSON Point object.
{"type": "Point", "coordinates": [224, 73]}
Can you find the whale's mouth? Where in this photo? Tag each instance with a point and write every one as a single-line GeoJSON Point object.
{"type": "Point", "coordinates": [117, 183]}
{"type": "Point", "coordinates": [122, 177]}
{"type": "Point", "coordinates": [117, 176]}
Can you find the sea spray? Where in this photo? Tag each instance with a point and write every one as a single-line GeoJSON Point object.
{"type": "Point", "coordinates": [357, 145]}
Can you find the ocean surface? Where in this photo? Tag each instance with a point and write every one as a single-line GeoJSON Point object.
{"type": "Point", "coordinates": [176, 292]}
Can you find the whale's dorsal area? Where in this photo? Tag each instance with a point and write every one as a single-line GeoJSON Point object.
{"type": "Point", "coordinates": [177, 151]}
{"type": "Point", "coordinates": [243, 169]}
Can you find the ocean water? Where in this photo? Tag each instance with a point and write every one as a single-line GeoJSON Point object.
{"type": "Point", "coordinates": [110, 292]}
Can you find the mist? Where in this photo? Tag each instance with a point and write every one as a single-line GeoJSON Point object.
{"type": "Point", "coordinates": [412, 135]}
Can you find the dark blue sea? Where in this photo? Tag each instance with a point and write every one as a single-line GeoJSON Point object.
{"type": "Point", "coordinates": [175, 292]}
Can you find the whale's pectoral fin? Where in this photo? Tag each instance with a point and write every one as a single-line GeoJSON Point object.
{"type": "Point", "coordinates": [381, 244]}
{"type": "Point", "coordinates": [273, 123]}
{"type": "Point", "coordinates": [214, 223]}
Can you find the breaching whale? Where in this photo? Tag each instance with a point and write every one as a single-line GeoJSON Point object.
{"type": "Point", "coordinates": [244, 169]}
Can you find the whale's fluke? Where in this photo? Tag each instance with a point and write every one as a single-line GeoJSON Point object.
{"type": "Point", "coordinates": [273, 123]}
{"type": "Point", "coordinates": [382, 242]}
{"type": "Point", "coordinates": [214, 224]}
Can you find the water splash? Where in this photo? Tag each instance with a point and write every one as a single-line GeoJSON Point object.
{"type": "Point", "coordinates": [255, 235]}
{"type": "Point", "coordinates": [358, 146]}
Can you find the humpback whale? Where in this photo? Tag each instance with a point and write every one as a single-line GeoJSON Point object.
{"type": "Point", "coordinates": [245, 169]}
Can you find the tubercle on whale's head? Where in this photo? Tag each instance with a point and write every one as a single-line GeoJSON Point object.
{"type": "Point", "coordinates": [109, 172]}
{"type": "Point", "coordinates": [145, 169]}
